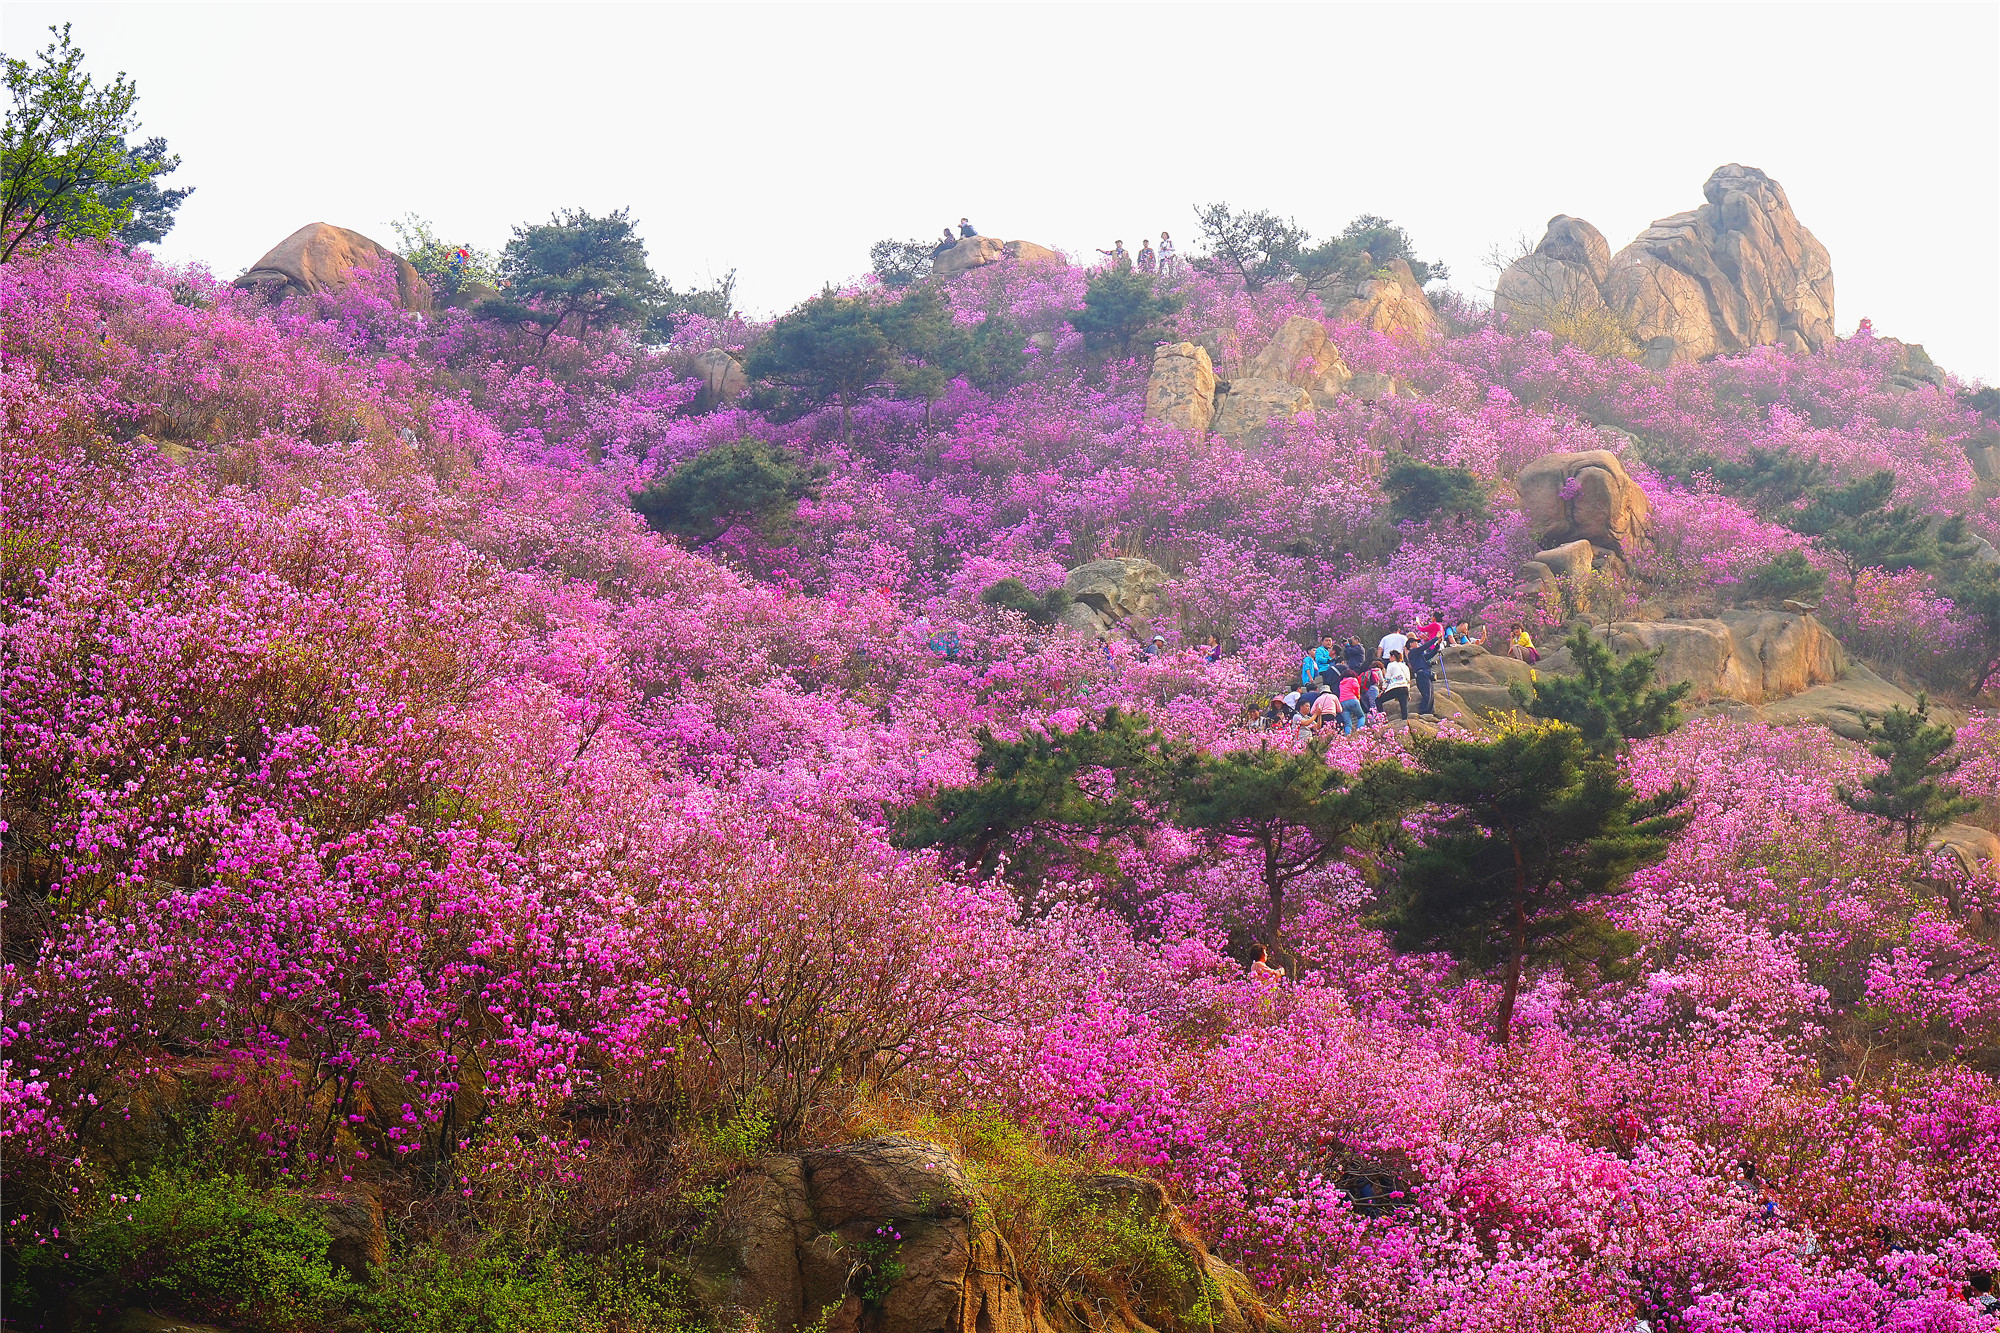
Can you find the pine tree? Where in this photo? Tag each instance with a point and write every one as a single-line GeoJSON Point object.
{"type": "Point", "coordinates": [1118, 306]}
{"type": "Point", "coordinates": [1610, 702]}
{"type": "Point", "coordinates": [576, 269]}
{"type": "Point", "coordinates": [1914, 791]}
{"type": "Point", "coordinates": [1536, 828]}
{"type": "Point", "coordinates": [749, 481]}
{"type": "Point", "coordinates": [1053, 803]}
{"type": "Point", "coordinates": [1296, 810]}
{"type": "Point", "coordinates": [831, 349]}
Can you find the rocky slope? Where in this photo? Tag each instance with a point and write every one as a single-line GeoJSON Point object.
{"type": "Point", "coordinates": [1740, 271]}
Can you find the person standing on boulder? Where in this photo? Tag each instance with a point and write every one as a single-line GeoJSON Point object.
{"type": "Point", "coordinates": [1423, 669]}
{"type": "Point", "coordinates": [1396, 685]}
{"type": "Point", "coordinates": [965, 229]}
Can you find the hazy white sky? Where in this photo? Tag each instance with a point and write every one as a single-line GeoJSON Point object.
{"type": "Point", "coordinates": [782, 140]}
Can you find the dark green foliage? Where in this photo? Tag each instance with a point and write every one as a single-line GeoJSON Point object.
{"type": "Point", "coordinates": [1418, 492]}
{"type": "Point", "coordinates": [1294, 808]}
{"type": "Point", "coordinates": [66, 165]}
{"type": "Point", "coordinates": [1914, 791]}
{"type": "Point", "coordinates": [1118, 306]}
{"type": "Point", "coordinates": [1013, 595]}
{"type": "Point", "coordinates": [1363, 247]}
{"type": "Point", "coordinates": [899, 264]}
{"type": "Point", "coordinates": [148, 208]}
{"type": "Point", "coordinates": [1789, 574]}
{"type": "Point", "coordinates": [1856, 525]}
{"type": "Point", "coordinates": [577, 269]}
{"type": "Point", "coordinates": [1773, 481]}
{"type": "Point", "coordinates": [210, 1247]}
{"type": "Point", "coordinates": [1975, 590]}
{"type": "Point", "coordinates": [831, 349]}
{"type": "Point", "coordinates": [1986, 401]}
{"type": "Point", "coordinates": [1050, 803]}
{"type": "Point", "coordinates": [1259, 247]}
{"type": "Point", "coordinates": [749, 482]}
{"type": "Point", "coordinates": [1535, 829]}
{"type": "Point", "coordinates": [1608, 702]}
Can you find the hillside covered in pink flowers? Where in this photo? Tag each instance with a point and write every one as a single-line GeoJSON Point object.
{"type": "Point", "coordinates": [435, 895]}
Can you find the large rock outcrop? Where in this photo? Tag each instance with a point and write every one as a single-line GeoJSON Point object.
{"type": "Point", "coordinates": [721, 377]}
{"type": "Point", "coordinates": [1181, 389]}
{"type": "Point", "coordinates": [1768, 666]}
{"type": "Point", "coordinates": [1252, 406]}
{"type": "Point", "coordinates": [884, 1236]}
{"type": "Point", "coordinates": [1392, 301]}
{"type": "Point", "coordinates": [977, 251]}
{"type": "Point", "coordinates": [1122, 593]}
{"type": "Point", "coordinates": [1301, 354]}
{"type": "Point", "coordinates": [1584, 496]}
{"type": "Point", "coordinates": [319, 257]}
{"type": "Point", "coordinates": [1738, 272]}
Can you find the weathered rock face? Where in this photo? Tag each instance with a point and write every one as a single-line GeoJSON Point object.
{"type": "Point", "coordinates": [1586, 496]}
{"type": "Point", "coordinates": [1561, 278]}
{"type": "Point", "coordinates": [1982, 450]}
{"type": "Point", "coordinates": [1752, 656]}
{"type": "Point", "coordinates": [1745, 657]}
{"type": "Point", "coordinates": [1250, 407]}
{"type": "Point", "coordinates": [1394, 303]}
{"type": "Point", "coordinates": [880, 1236]}
{"type": "Point", "coordinates": [320, 256]}
{"type": "Point", "coordinates": [1121, 591]}
{"type": "Point", "coordinates": [1030, 253]}
{"type": "Point", "coordinates": [976, 251]}
{"type": "Point", "coordinates": [1977, 849]}
{"type": "Point", "coordinates": [1181, 389]}
{"type": "Point", "coordinates": [1224, 348]}
{"type": "Point", "coordinates": [1741, 271]}
{"type": "Point", "coordinates": [1301, 354]}
{"type": "Point", "coordinates": [1570, 560]}
{"type": "Point", "coordinates": [721, 376]}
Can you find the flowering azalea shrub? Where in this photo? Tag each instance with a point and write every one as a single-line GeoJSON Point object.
{"type": "Point", "coordinates": [386, 801]}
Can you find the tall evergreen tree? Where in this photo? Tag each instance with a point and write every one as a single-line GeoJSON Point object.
{"type": "Point", "coordinates": [1610, 702]}
{"type": "Point", "coordinates": [1421, 491]}
{"type": "Point", "coordinates": [1859, 528]}
{"type": "Point", "coordinates": [831, 349]}
{"type": "Point", "coordinates": [1118, 306]}
{"type": "Point", "coordinates": [576, 269]}
{"type": "Point", "coordinates": [1052, 802]}
{"type": "Point", "coordinates": [1297, 811]}
{"type": "Point", "coordinates": [748, 481]}
{"type": "Point", "coordinates": [1535, 829]}
{"type": "Point", "coordinates": [1914, 791]}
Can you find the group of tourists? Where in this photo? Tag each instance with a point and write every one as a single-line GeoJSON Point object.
{"type": "Point", "coordinates": [1342, 684]}
{"type": "Point", "coordinates": [1149, 260]}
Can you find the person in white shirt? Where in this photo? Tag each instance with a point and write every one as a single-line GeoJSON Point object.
{"type": "Point", "coordinates": [1396, 685]}
{"type": "Point", "coordinates": [1392, 642]}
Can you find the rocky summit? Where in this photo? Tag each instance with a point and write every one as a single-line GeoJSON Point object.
{"type": "Point", "coordinates": [1738, 272]}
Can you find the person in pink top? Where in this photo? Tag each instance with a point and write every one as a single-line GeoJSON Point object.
{"type": "Point", "coordinates": [1351, 715]}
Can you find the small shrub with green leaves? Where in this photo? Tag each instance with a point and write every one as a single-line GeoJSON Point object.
{"type": "Point", "coordinates": [209, 1247]}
